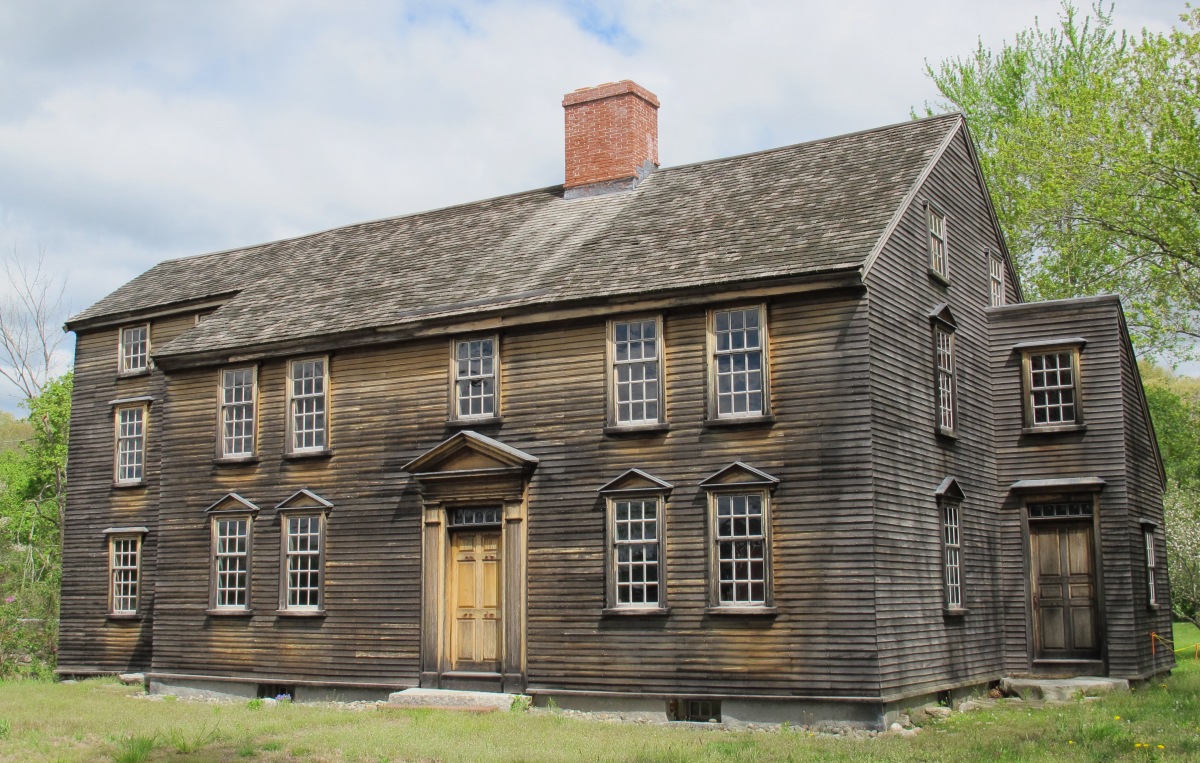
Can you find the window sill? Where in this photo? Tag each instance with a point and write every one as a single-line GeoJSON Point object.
{"type": "Point", "coordinates": [947, 434]}
{"type": "Point", "coordinates": [728, 611]}
{"type": "Point", "coordinates": [740, 421]}
{"type": "Point", "coordinates": [1054, 429]}
{"type": "Point", "coordinates": [955, 611]}
{"type": "Point", "coordinates": [133, 374]}
{"type": "Point", "coordinates": [479, 421]}
{"type": "Point", "coordinates": [632, 430]}
{"type": "Point", "coordinates": [239, 461]}
{"type": "Point", "coordinates": [300, 612]}
{"type": "Point", "coordinates": [635, 611]}
{"type": "Point", "coordinates": [941, 279]}
{"type": "Point", "coordinates": [304, 454]}
{"type": "Point", "coordinates": [128, 485]}
{"type": "Point", "coordinates": [229, 612]}
{"type": "Point", "coordinates": [124, 617]}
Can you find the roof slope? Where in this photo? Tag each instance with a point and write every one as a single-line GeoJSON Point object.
{"type": "Point", "coordinates": [812, 207]}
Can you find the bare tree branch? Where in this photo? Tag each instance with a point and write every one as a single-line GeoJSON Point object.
{"type": "Point", "coordinates": [30, 318]}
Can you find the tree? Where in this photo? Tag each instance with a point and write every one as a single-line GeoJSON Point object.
{"type": "Point", "coordinates": [1090, 143]}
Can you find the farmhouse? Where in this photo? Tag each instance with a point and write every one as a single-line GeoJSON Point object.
{"type": "Point", "coordinates": [772, 436]}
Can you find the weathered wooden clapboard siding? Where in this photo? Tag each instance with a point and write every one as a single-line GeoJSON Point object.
{"type": "Point", "coordinates": [89, 641]}
{"type": "Point", "coordinates": [389, 405]}
{"type": "Point", "coordinates": [1100, 451]}
{"type": "Point", "coordinates": [919, 646]}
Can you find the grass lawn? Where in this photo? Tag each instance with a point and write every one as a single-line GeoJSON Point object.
{"type": "Point", "coordinates": [102, 720]}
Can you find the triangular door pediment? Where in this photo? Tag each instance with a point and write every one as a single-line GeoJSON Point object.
{"type": "Point", "coordinates": [636, 480]}
{"type": "Point", "coordinates": [232, 502]}
{"type": "Point", "coordinates": [469, 451]}
{"type": "Point", "coordinates": [739, 473]}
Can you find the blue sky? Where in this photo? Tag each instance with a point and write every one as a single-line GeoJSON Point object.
{"type": "Point", "coordinates": [132, 132]}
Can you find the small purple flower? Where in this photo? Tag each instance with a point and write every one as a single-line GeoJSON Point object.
{"type": "Point", "coordinates": [10, 599]}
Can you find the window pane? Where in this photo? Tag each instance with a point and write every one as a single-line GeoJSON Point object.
{"type": "Point", "coordinates": [635, 552]}
{"type": "Point", "coordinates": [124, 568]}
{"type": "Point", "coordinates": [741, 549]}
{"type": "Point", "coordinates": [232, 562]}
{"type": "Point", "coordinates": [237, 412]}
{"type": "Point", "coordinates": [738, 362]}
{"type": "Point", "coordinates": [1052, 388]}
{"type": "Point", "coordinates": [304, 562]}
{"type": "Point", "coordinates": [135, 348]}
{"type": "Point", "coordinates": [308, 405]}
{"type": "Point", "coordinates": [131, 444]}
{"type": "Point", "coordinates": [475, 384]}
{"type": "Point", "coordinates": [636, 371]}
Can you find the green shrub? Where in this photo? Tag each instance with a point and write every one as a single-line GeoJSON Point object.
{"type": "Point", "coordinates": [134, 749]}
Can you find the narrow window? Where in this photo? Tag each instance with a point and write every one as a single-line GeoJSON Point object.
{"type": "Point", "coordinates": [135, 349]}
{"type": "Point", "coordinates": [636, 371]}
{"type": "Point", "coordinates": [952, 549]}
{"type": "Point", "coordinates": [475, 378]}
{"type": "Point", "coordinates": [636, 552]}
{"type": "Point", "coordinates": [1151, 564]}
{"type": "Point", "coordinates": [131, 445]}
{"type": "Point", "coordinates": [237, 412]}
{"type": "Point", "coordinates": [231, 562]}
{"type": "Point", "coordinates": [741, 549]}
{"type": "Point", "coordinates": [939, 259]}
{"type": "Point", "coordinates": [1052, 388]}
{"type": "Point", "coordinates": [308, 403]}
{"type": "Point", "coordinates": [738, 362]}
{"type": "Point", "coordinates": [124, 564]}
{"type": "Point", "coordinates": [997, 280]}
{"type": "Point", "coordinates": [946, 382]}
{"type": "Point", "coordinates": [303, 565]}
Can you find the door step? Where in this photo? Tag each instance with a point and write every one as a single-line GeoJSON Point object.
{"type": "Point", "coordinates": [450, 699]}
{"type": "Point", "coordinates": [1062, 689]}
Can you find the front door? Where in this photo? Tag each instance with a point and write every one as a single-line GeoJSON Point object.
{"type": "Point", "coordinates": [1064, 591]}
{"type": "Point", "coordinates": [474, 600]}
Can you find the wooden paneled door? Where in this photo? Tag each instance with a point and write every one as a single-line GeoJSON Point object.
{"type": "Point", "coordinates": [474, 601]}
{"type": "Point", "coordinates": [1064, 591]}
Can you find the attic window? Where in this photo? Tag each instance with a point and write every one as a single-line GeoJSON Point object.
{"type": "Point", "coordinates": [996, 266]}
{"type": "Point", "coordinates": [939, 254]}
{"type": "Point", "coordinates": [135, 349]}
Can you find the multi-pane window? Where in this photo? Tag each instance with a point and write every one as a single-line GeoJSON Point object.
{"type": "Point", "coordinates": [231, 562]}
{"type": "Point", "coordinates": [636, 552]}
{"type": "Point", "coordinates": [939, 258]}
{"type": "Point", "coordinates": [1052, 387]}
{"type": "Point", "coordinates": [475, 378]}
{"type": "Point", "coordinates": [738, 354]}
{"type": "Point", "coordinates": [944, 347]}
{"type": "Point", "coordinates": [952, 549]}
{"type": "Point", "coordinates": [1151, 564]}
{"type": "Point", "coordinates": [308, 402]}
{"type": "Point", "coordinates": [135, 349]}
{"type": "Point", "coordinates": [637, 371]}
{"type": "Point", "coordinates": [997, 280]}
{"type": "Point", "coordinates": [741, 549]}
{"type": "Point", "coordinates": [237, 412]}
{"type": "Point", "coordinates": [303, 564]}
{"type": "Point", "coordinates": [124, 564]}
{"type": "Point", "coordinates": [131, 444]}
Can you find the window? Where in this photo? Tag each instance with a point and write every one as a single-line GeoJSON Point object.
{"type": "Point", "coordinates": [231, 563]}
{"type": "Point", "coordinates": [996, 266]}
{"type": "Point", "coordinates": [131, 445]}
{"type": "Point", "coordinates": [124, 565]}
{"type": "Point", "coordinates": [308, 400]}
{"type": "Point", "coordinates": [738, 361]}
{"type": "Point", "coordinates": [304, 553]}
{"type": "Point", "coordinates": [237, 413]}
{"type": "Point", "coordinates": [952, 554]}
{"type": "Point", "coordinates": [740, 549]}
{"type": "Point", "coordinates": [1151, 564]}
{"type": "Point", "coordinates": [135, 349]}
{"type": "Point", "coordinates": [474, 391]}
{"type": "Point", "coordinates": [939, 257]}
{"type": "Point", "coordinates": [946, 382]}
{"type": "Point", "coordinates": [637, 551]}
{"type": "Point", "coordinates": [1052, 389]}
{"type": "Point", "coordinates": [636, 347]}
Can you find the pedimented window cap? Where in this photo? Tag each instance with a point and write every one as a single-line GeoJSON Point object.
{"type": "Point", "coordinates": [635, 481]}
{"type": "Point", "coordinates": [127, 531]}
{"type": "Point", "coordinates": [738, 474]}
{"type": "Point", "coordinates": [232, 502]}
{"type": "Point", "coordinates": [1063, 485]}
{"type": "Point", "coordinates": [304, 499]}
{"type": "Point", "coordinates": [1054, 343]}
{"type": "Point", "coordinates": [941, 314]}
{"type": "Point", "coordinates": [949, 490]}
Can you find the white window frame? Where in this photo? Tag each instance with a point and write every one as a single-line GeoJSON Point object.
{"type": "Point", "coordinates": [615, 384]}
{"type": "Point", "coordinates": [951, 528]}
{"type": "Point", "coordinates": [715, 353]}
{"type": "Point", "coordinates": [616, 543]}
{"type": "Point", "coordinates": [1029, 406]}
{"type": "Point", "coordinates": [456, 378]}
{"type": "Point", "coordinates": [137, 444]}
{"type": "Point", "coordinates": [946, 386]}
{"type": "Point", "coordinates": [1151, 565]}
{"type": "Point", "coordinates": [130, 588]}
{"type": "Point", "coordinates": [123, 367]}
{"type": "Point", "coordinates": [225, 408]}
{"type": "Point", "coordinates": [996, 280]}
{"type": "Point", "coordinates": [293, 399]}
{"type": "Point", "coordinates": [218, 574]}
{"type": "Point", "coordinates": [286, 587]}
{"type": "Point", "coordinates": [937, 224]}
{"type": "Point", "coordinates": [718, 599]}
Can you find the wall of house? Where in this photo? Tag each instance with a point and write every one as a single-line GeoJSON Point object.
{"type": "Point", "coordinates": [389, 404]}
{"type": "Point", "coordinates": [89, 640]}
{"type": "Point", "coordinates": [921, 647]}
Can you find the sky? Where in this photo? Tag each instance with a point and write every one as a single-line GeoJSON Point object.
{"type": "Point", "coordinates": [133, 131]}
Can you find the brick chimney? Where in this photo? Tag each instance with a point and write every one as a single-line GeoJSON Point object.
{"type": "Point", "coordinates": [612, 138]}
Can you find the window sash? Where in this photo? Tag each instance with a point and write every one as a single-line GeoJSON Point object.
{"type": "Point", "coordinates": [131, 444]}
{"type": "Point", "coordinates": [135, 349]}
{"type": "Point", "coordinates": [952, 558]}
{"type": "Point", "coordinates": [637, 553]}
{"type": "Point", "coordinates": [474, 365]}
{"type": "Point", "coordinates": [938, 259]}
{"type": "Point", "coordinates": [1151, 564]}
{"type": "Point", "coordinates": [738, 362]}
{"type": "Point", "coordinates": [238, 393]}
{"type": "Point", "coordinates": [636, 347]}
{"type": "Point", "coordinates": [1052, 380]}
{"type": "Point", "coordinates": [124, 564]}
{"type": "Point", "coordinates": [996, 266]}
{"type": "Point", "coordinates": [303, 563]}
{"type": "Point", "coordinates": [740, 546]}
{"type": "Point", "coordinates": [231, 563]}
{"type": "Point", "coordinates": [308, 391]}
{"type": "Point", "coordinates": [944, 341]}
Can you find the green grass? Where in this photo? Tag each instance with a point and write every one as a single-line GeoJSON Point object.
{"type": "Point", "coordinates": [101, 720]}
